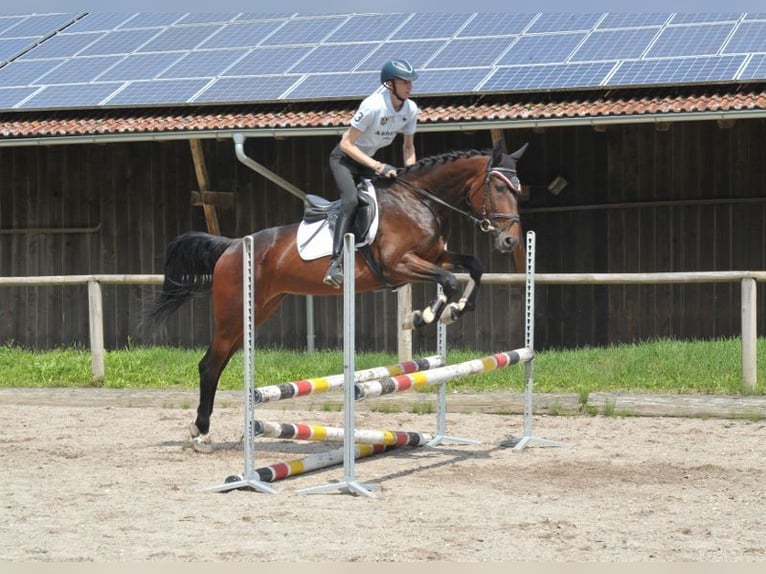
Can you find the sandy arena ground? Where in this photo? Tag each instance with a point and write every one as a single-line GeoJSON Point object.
{"type": "Point", "coordinates": [102, 480]}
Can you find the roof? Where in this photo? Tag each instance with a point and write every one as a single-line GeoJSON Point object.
{"type": "Point", "coordinates": [437, 114]}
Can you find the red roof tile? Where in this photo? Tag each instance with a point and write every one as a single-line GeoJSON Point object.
{"type": "Point", "coordinates": [307, 115]}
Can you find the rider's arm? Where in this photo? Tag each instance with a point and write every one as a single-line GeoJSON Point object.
{"type": "Point", "coordinates": [408, 149]}
{"type": "Point", "coordinates": [349, 147]}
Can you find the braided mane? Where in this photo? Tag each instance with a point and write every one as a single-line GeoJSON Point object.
{"type": "Point", "coordinates": [447, 157]}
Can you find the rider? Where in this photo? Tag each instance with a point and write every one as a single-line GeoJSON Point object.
{"type": "Point", "coordinates": [379, 118]}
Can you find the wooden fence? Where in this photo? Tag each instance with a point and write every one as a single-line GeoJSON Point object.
{"type": "Point", "coordinates": [747, 280]}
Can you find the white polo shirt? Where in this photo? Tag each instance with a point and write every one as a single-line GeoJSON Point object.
{"type": "Point", "coordinates": [379, 122]}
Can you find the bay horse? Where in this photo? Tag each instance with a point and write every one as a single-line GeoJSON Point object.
{"type": "Point", "coordinates": [410, 246]}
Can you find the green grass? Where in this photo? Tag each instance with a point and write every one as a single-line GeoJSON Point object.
{"type": "Point", "coordinates": [663, 366]}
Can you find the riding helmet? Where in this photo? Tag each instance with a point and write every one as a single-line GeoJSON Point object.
{"type": "Point", "coordinates": [401, 69]}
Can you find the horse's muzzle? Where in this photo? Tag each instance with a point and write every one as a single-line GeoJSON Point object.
{"type": "Point", "coordinates": [506, 242]}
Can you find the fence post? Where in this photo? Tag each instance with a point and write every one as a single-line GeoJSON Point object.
{"type": "Point", "coordinates": [404, 309]}
{"type": "Point", "coordinates": [96, 327]}
{"type": "Point", "coordinates": [749, 334]}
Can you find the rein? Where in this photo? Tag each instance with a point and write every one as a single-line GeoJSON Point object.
{"type": "Point", "coordinates": [424, 192]}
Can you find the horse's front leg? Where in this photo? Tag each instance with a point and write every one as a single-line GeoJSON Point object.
{"type": "Point", "coordinates": [467, 301]}
{"type": "Point", "coordinates": [413, 268]}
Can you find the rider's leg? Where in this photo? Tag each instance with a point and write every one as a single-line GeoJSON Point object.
{"type": "Point", "coordinates": [344, 170]}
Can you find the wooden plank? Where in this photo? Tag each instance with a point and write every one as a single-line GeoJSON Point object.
{"type": "Point", "coordinates": [200, 169]}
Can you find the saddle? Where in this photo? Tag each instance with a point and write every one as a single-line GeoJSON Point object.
{"type": "Point", "coordinates": [319, 209]}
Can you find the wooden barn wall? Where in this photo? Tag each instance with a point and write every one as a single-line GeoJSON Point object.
{"type": "Point", "coordinates": [113, 208]}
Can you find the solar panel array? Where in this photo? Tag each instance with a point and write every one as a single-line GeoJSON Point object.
{"type": "Point", "coordinates": [110, 59]}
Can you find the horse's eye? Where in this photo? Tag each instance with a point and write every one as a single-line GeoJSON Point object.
{"type": "Point", "coordinates": [500, 187]}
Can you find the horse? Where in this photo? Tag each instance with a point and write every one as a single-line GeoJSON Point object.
{"type": "Point", "coordinates": [410, 246]}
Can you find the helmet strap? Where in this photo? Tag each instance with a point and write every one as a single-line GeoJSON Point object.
{"type": "Point", "coordinates": [392, 89]}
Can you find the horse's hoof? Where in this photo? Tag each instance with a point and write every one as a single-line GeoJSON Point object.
{"type": "Point", "coordinates": [414, 321]}
{"type": "Point", "coordinates": [450, 314]}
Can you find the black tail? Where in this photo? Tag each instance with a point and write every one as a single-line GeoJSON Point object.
{"type": "Point", "coordinates": [189, 262]}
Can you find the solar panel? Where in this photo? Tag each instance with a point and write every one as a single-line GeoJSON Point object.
{"type": "Point", "coordinates": [207, 63]}
{"type": "Point", "coordinates": [563, 22]}
{"type": "Point", "coordinates": [101, 22]}
{"type": "Point", "coordinates": [25, 72]}
{"type": "Point", "coordinates": [262, 61]}
{"type": "Point", "coordinates": [542, 49]}
{"type": "Point", "coordinates": [355, 85]}
{"type": "Point", "coordinates": [422, 26]}
{"type": "Point", "coordinates": [615, 44]}
{"type": "Point", "coordinates": [367, 28]}
{"type": "Point", "coordinates": [140, 67]}
{"type": "Point", "coordinates": [251, 88]}
{"type": "Point", "coordinates": [7, 23]}
{"type": "Point", "coordinates": [441, 82]}
{"type": "Point", "coordinates": [40, 25]}
{"type": "Point", "coordinates": [9, 97]}
{"type": "Point", "coordinates": [546, 77]}
{"type": "Point", "coordinates": [755, 69]}
{"type": "Point", "coordinates": [629, 20]}
{"type": "Point", "coordinates": [502, 24]}
{"type": "Point", "coordinates": [678, 70]}
{"type": "Point", "coordinates": [63, 45]}
{"type": "Point", "coordinates": [749, 37]}
{"type": "Point", "coordinates": [702, 40]}
{"type": "Point", "coordinates": [333, 58]}
{"type": "Point", "coordinates": [207, 18]}
{"type": "Point", "coordinates": [11, 47]}
{"type": "Point", "coordinates": [79, 70]}
{"type": "Point", "coordinates": [259, 16]}
{"type": "Point", "coordinates": [304, 31]}
{"type": "Point", "coordinates": [696, 18]}
{"type": "Point", "coordinates": [416, 53]}
{"type": "Point", "coordinates": [218, 57]}
{"type": "Point", "coordinates": [467, 52]}
{"type": "Point", "coordinates": [242, 35]}
{"type": "Point", "coordinates": [157, 92]}
{"type": "Point", "coordinates": [119, 42]}
{"type": "Point", "coordinates": [152, 20]}
{"type": "Point", "coordinates": [182, 38]}
{"type": "Point", "coordinates": [70, 96]}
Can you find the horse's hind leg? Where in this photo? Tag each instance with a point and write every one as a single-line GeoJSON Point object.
{"type": "Point", "coordinates": [211, 366]}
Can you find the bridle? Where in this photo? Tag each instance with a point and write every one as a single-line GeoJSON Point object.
{"type": "Point", "coordinates": [507, 175]}
{"type": "Point", "coordinates": [511, 179]}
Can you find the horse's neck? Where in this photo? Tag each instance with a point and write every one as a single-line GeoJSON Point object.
{"type": "Point", "coordinates": [449, 185]}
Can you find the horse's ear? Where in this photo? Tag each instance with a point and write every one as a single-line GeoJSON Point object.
{"type": "Point", "coordinates": [519, 152]}
{"type": "Point", "coordinates": [497, 153]}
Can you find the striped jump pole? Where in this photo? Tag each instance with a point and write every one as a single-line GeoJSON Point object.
{"type": "Point", "coordinates": [336, 434]}
{"type": "Point", "coordinates": [371, 389]}
{"type": "Point", "coordinates": [323, 384]}
{"type": "Point", "coordinates": [281, 470]}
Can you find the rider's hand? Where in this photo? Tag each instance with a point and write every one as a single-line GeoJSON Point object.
{"type": "Point", "coordinates": [387, 170]}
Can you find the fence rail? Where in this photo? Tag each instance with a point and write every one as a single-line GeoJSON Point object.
{"type": "Point", "coordinates": [747, 280]}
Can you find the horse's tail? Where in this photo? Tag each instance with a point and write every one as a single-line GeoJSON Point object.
{"type": "Point", "coordinates": [189, 263]}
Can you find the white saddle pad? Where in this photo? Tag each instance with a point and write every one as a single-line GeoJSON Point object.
{"type": "Point", "coordinates": [315, 240]}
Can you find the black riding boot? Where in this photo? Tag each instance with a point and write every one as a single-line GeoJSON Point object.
{"type": "Point", "coordinates": [334, 275]}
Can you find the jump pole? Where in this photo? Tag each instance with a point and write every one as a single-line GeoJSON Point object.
{"type": "Point", "coordinates": [520, 443]}
{"type": "Point", "coordinates": [249, 478]}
